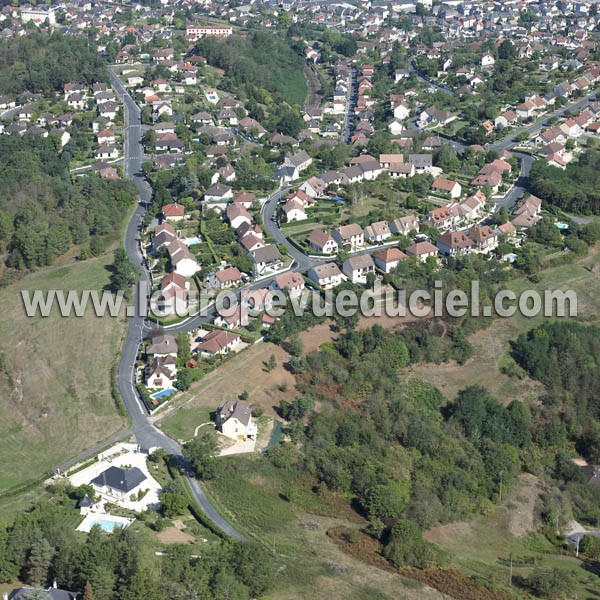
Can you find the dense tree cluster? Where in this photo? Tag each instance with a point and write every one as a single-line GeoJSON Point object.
{"type": "Point", "coordinates": [43, 212]}
{"type": "Point", "coordinates": [573, 189]}
{"type": "Point", "coordinates": [263, 67]}
{"type": "Point", "coordinates": [40, 63]}
{"type": "Point", "coordinates": [40, 545]}
{"type": "Point", "coordinates": [564, 356]}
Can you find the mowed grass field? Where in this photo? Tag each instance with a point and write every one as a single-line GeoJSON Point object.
{"type": "Point", "coordinates": [55, 395]}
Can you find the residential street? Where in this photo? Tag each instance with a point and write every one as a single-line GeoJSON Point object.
{"type": "Point", "coordinates": [145, 433]}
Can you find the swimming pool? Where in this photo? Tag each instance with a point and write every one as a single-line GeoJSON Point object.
{"type": "Point", "coordinates": [191, 241]}
{"type": "Point", "coordinates": [164, 393]}
{"type": "Point", "coordinates": [107, 523]}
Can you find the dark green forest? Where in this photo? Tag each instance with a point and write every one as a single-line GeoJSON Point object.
{"type": "Point", "coordinates": [576, 189]}
{"type": "Point", "coordinates": [43, 212]}
{"type": "Point", "coordinates": [40, 63]}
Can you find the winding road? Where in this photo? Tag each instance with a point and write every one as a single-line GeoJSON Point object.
{"type": "Point", "coordinates": [145, 433]}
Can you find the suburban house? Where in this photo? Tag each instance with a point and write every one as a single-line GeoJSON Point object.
{"type": "Point", "coordinates": [266, 258]}
{"type": "Point", "coordinates": [182, 260]}
{"type": "Point", "coordinates": [453, 243]}
{"type": "Point", "coordinates": [322, 242]}
{"type": "Point", "coordinates": [446, 187]}
{"type": "Point", "coordinates": [117, 483]}
{"type": "Point", "coordinates": [237, 214]}
{"type": "Point", "coordinates": [299, 161]}
{"type": "Point", "coordinates": [290, 282]}
{"type": "Point", "coordinates": [218, 342]}
{"type": "Point", "coordinates": [160, 373]}
{"type": "Point", "coordinates": [164, 234]}
{"type": "Point", "coordinates": [162, 345]}
{"type": "Point", "coordinates": [404, 225]}
{"type": "Point", "coordinates": [327, 275]}
{"type": "Point", "coordinates": [377, 232]}
{"type": "Point", "coordinates": [506, 119]}
{"type": "Point", "coordinates": [356, 268]}
{"type": "Point", "coordinates": [173, 211]}
{"type": "Point", "coordinates": [423, 163]}
{"type": "Point", "coordinates": [389, 259]}
{"type": "Point", "coordinates": [436, 116]}
{"type": "Point", "coordinates": [440, 218]}
{"type": "Point", "coordinates": [218, 194]}
{"type": "Point", "coordinates": [349, 235]}
{"type": "Point", "coordinates": [174, 288]}
{"type": "Point", "coordinates": [484, 238]}
{"type": "Point", "coordinates": [225, 278]}
{"type": "Point", "coordinates": [527, 212]}
{"type": "Point", "coordinates": [293, 210]}
{"type": "Point", "coordinates": [234, 420]}
{"type": "Point", "coordinates": [52, 593]}
{"type": "Point", "coordinates": [422, 250]}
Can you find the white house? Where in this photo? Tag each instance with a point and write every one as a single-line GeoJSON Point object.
{"type": "Point", "coordinates": [234, 420]}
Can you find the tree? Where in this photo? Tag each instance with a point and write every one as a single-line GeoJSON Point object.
{"type": "Point", "coordinates": [550, 583]}
{"type": "Point", "coordinates": [271, 363]}
{"type": "Point", "coordinates": [88, 593]}
{"type": "Point", "coordinates": [201, 452]}
{"type": "Point", "coordinates": [124, 272]}
{"type": "Point", "coordinates": [173, 501]}
{"type": "Point", "coordinates": [39, 561]}
{"type": "Point", "coordinates": [8, 569]}
{"type": "Point", "coordinates": [406, 547]}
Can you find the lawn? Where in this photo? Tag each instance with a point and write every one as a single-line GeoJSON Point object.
{"type": "Point", "coordinates": [181, 425]}
{"type": "Point", "coordinates": [55, 394]}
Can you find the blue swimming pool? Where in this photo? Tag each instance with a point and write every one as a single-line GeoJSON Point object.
{"type": "Point", "coordinates": [164, 393]}
{"type": "Point", "coordinates": [191, 241]}
{"type": "Point", "coordinates": [106, 525]}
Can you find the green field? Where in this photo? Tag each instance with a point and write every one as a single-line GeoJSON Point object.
{"type": "Point", "coordinates": [182, 424]}
{"type": "Point", "coordinates": [55, 394]}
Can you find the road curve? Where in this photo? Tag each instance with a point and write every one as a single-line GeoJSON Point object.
{"type": "Point", "coordinates": [145, 433]}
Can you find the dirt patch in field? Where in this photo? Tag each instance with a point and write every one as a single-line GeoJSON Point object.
{"type": "Point", "coordinates": [522, 505]}
{"type": "Point", "coordinates": [444, 534]}
{"type": "Point", "coordinates": [350, 575]}
{"type": "Point", "coordinates": [482, 369]}
{"type": "Point", "coordinates": [172, 535]}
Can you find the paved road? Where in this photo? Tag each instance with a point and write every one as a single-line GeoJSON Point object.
{"type": "Point", "coordinates": [510, 140]}
{"type": "Point", "coordinates": [351, 98]}
{"type": "Point", "coordinates": [146, 434]}
{"type": "Point", "coordinates": [424, 79]}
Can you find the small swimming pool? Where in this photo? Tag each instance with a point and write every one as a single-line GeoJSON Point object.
{"type": "Point", "coordinates": [164, 393]}
{"type": "Point", "coordinates": [562, 225]}
{"type": "Point", "coordinates": [191, 241]}
{"type": "Point", "coordinates": [107, 523]}
{"type": "Point", "coordinates": [338, 199]}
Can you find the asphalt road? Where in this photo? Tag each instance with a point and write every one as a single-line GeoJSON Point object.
{"type": "Point", "coordinates": [145, 433]}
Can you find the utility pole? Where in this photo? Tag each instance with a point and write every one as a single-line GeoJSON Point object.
{"type": "Point", "coordinates": [577, 546]}
{"type": "Point", "coordinates": [501, 473]}
{"type": "Point", "coordinates": [510, 572]}
{"type": "Point", "coordinates": [557, 517]}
